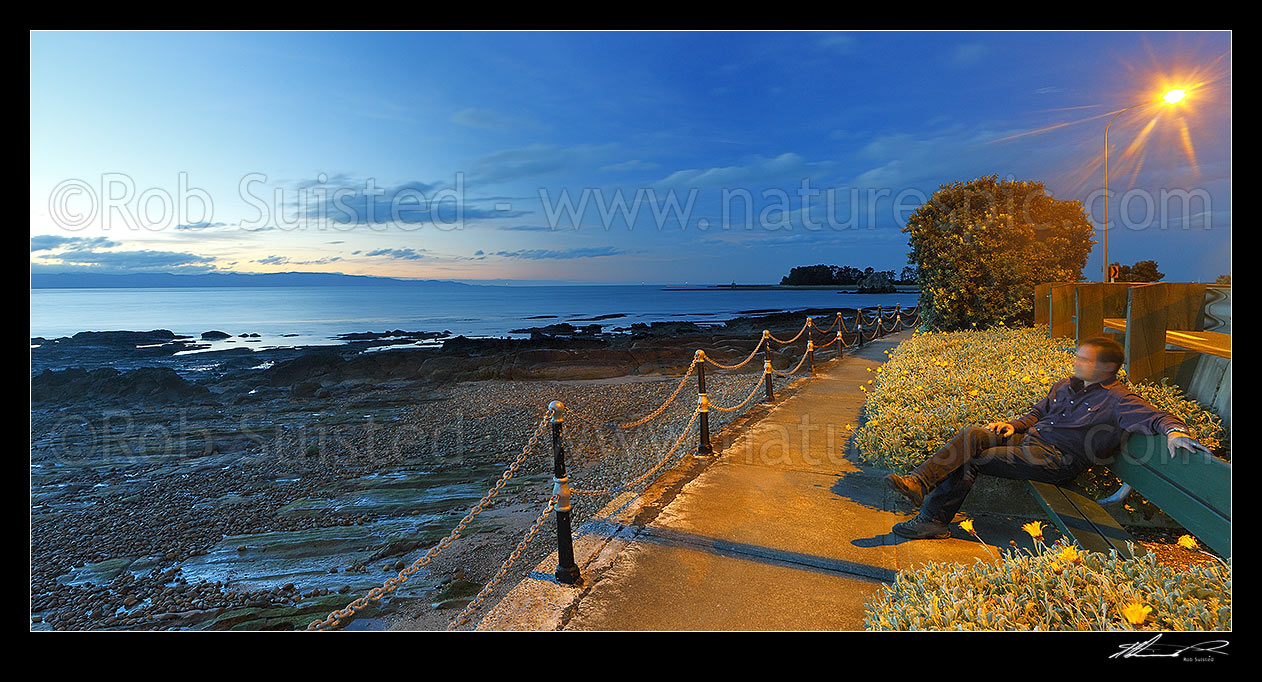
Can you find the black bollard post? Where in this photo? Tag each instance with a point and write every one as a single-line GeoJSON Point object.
{"type": "Point", "coordinates": [841, 325]}
{"type": "Point", "coordinates": [880, 326]}
{"type": "Point", "coordinates": [898, 316]}
{"type": "Point", "coordinates": [703, 405]}
{"type": "Point", "coordinates": [766, 365]}
{"type": "Point", "coordinates": [567, 570]}
{"type": "Point", "coordinates": [810, 353]}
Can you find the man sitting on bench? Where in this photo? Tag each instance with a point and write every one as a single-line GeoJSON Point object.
{"type": "Point", "coordinates": [1081, 422]}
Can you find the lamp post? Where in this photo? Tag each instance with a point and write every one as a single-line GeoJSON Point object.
{"type": "Point", "coordinates": [1170, 97]}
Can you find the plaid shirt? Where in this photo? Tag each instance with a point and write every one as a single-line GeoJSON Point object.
{"type": "Point", "coordinates": [1077, 419]}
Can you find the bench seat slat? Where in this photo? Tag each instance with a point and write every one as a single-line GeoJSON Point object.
{"type": "Point", "coordinates": [1080, 518]}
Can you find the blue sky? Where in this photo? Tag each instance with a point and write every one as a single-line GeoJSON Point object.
{"type": "Point", "coordinates": [778, 148]}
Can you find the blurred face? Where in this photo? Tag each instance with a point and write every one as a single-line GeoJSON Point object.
{"type": "Point", "coordinates": [1088, 368]}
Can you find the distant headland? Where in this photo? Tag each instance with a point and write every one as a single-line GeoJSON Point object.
{"type": "Point", "coordinates": [219, 279]}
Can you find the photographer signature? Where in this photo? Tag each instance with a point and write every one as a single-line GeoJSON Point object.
{"type": "Point", "coordinates": [1137, 649]}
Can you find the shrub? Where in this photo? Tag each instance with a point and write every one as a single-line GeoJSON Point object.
{"type": "Point", "coordinates": [980, 247]}
{"type": "Point", "coordinates": [1058, 588]}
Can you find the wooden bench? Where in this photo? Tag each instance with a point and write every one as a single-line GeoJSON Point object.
{"type": "Point", "coordinates": [1193, 488]}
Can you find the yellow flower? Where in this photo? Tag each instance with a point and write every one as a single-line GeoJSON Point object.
{"type": "Point", "coordinates": [1187, 541]}
{"type": "Point", "coordinates": [849, 427]}
{"type": "Point", "coordinates": [1026, 378]}
{"type": "Point", "coordinates": [1070, 554]}
{"type": "Point", "coordinates": [868, 368]}
{"type": "Point", "coordinates": [1056, 568]}
{"type": "Point", "coordinates": [973, 392]}
{"type": "Point", "coordinates": [1035, 529]}
{"type": "Point", "coordinates": [1136, 613]}
{"type": "Point", "coordinates": [967, 525]}
{"type": "Point", "coordinates": [863, 388]}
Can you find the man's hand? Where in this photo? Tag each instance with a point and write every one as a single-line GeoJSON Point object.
{"type": "Point", "coordinates": [1004, 429]}
{"type": "Point", "coordinates": [1178, 439]}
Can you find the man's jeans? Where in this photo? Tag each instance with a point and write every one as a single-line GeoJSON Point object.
{"type": "Point", "coordinates": [978, 450]}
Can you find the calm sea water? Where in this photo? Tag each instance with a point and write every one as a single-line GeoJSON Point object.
{"type": "Point", "coordinates": [316, 314]}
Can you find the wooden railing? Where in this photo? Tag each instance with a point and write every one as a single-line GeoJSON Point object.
{"type": "Point", "coordinates": [1179, 331]}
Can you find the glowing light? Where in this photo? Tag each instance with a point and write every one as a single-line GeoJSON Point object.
{"type": "Point", "coordinates": [1158, 128]}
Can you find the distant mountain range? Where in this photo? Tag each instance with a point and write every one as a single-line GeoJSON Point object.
{"type": "Point", "coordinates": [221, 279]}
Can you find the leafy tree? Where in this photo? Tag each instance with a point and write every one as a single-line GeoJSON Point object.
{"type": "Point", "coordinates": [828, 274]}
{"type": "Point", "coordinates": [809, 274]}
{"type": "Point", "coordinates": [847, 275]}
{"type": "Point", "coordinates": [1223, 279]}
{"type": "Point", "coordinates": [1141, 271]}
{"type": "Point", "coordinates": [908, 276]}
{"type": "Point", "coordinates": [980, 247]}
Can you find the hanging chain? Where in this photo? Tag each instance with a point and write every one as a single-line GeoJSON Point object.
{"type": "Point", "coordinates": [757, 388]}
{"type": "Point", "coordinates": [521, 546]}
{"type": "Point", "coordinates": [340, 617]}
{"type": "Point", "coordinates": [792, 371]}
{"type": "Point", "coordinates": [645, 420]}
{"type": "Point", "coordinates": [641, 477]}
{"type": "Point", "coordinates": [743, 363]}
{"type": "Point", "coordinates": [795, 336]}
{"type": "Point", "coordinates": [836, 318]}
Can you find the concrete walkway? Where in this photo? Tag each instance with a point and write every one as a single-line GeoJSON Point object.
{"type": "Point", "coordinates": [783, 530]}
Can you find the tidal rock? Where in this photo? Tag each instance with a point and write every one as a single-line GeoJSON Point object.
{"type": "Point", "coordinates": [147, 384]}
{"type": "Point", "coordinates": [304, 367]}
{"type": "Point", "coordinates": [304, 390]}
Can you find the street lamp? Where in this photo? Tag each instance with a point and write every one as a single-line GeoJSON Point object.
{"type": "Point", "coordinates": [1170, 97]}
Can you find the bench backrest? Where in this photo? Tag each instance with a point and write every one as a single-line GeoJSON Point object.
{"type": "Point", "coordinates": [1192, 488]}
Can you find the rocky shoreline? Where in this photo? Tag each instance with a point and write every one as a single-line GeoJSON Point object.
{"type": "Point", "coordinates": [260, 490]}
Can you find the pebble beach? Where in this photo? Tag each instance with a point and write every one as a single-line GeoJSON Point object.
{"type": "Point", "coordinates": [272, 510]}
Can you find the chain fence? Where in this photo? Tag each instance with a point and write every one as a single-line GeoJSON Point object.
{"type": "Point", "coordinates": [638, 443]}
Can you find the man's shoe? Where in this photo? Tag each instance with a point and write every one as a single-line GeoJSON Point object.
{"type": "Point", "coordinates": [907, 486]}
{"type": "Point", "coordinates": [922, 529]}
